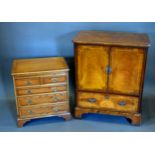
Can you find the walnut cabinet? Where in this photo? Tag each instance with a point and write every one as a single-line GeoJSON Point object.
{"type": "Point", "coordinates": [110, 69]}
{"type": "Point", "coordinates": [41, 88]}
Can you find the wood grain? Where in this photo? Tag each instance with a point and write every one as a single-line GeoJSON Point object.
{"type": "Point", "coordinates": [92, 62]}
{"type": "Point", "coordinates": [37, 65]}
{"type": "Point", "coordinates": [112, 38]}
{"type": "Point", "coordinates": [39, 90]}
{"type": "Point", "coordinates": [127, 66]}
{"type": "Point", "coordinates": [40, 99]}
{"type": "Point", "coordinates": [111, 102]}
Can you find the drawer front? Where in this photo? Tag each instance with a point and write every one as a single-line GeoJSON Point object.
{"type": "Point", "coordinates": [111, 102]}
{"type": "Point", "coordinates": [39, 90]}
{"type": "Point", "coordinates": [48, 80]}
{"type": "Point", "coordinates": [27, 81]}
{"type": "Point", "coordinates": [43, 110]}
{"type": "Point", "coordinates": [39, 99]}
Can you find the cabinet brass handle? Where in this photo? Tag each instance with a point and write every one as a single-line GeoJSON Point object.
{"type": "Point", "coordinates": [56, 109]}
{"type": "Point", "coordinates": [29, 92]}
{"type": "Point", "coordinates": [108, 69]}
{"type": "Point", "coordinates": [29, 101]}
{"type": "Point", "coordinates": [30, 112]}
{"type": "Point", "coordinates": [54, 89]}
{"type": "Point", "coordinates": [122, 103]}
{"type": "Point", "coordinates": [29, 83]}
{"type": "Point", "coordinates": [54, 79]}
{"type": "Point", "coordinates": [92, 100]}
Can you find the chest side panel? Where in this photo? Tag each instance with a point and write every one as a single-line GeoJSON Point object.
{"type": "Point", "coordinates": [127, 66]}
{"type": "Point", "coordinates": [91, 65]}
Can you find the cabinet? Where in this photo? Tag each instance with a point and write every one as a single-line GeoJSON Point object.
{"type": "Point", "coordinates": [41, 88]}
{"type": "Point", "coordinates": [110, 68]}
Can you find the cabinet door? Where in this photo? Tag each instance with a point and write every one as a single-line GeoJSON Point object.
{"type": "Point", "coordinates": [92, 61]}
{"type": "Point", "coordinates": [127, 66]}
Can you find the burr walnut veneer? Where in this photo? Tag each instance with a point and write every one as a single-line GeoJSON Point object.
{"type": "Point", "coordinates": [41, 88]}
{"type": "Point", "coordinates": [110, 68]}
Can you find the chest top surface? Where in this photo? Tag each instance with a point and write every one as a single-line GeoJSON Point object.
{"type": "Point", "coordinates": [112, 38]}
{"type": "Point", "coordinates": [36, 65]}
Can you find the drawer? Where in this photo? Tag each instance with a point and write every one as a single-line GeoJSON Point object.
{"type": "Point", "coordinates": [111, 102]}
{"type": "Point", "coordinates": [51, 79]}
{"type": "Point", "coordinates": [43, 110]}
{"type": "Point", "coordinates": [39, 99]}
{"type": "Point", "coordinates": [39, 90]}
{"type": "Point", "coordinates": [27, 81]}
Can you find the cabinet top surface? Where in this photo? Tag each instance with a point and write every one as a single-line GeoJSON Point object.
{"type": "Point", "coordinates": [112, 38]}
{"type": "Point", "coordinates": [21, 66]}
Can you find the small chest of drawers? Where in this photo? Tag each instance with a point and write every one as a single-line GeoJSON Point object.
{"type": "Point", "coordinates": [41, 88]}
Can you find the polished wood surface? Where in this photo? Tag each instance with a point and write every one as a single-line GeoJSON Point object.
{"type": "Point", "coordinates": [110, 68]}
{"type": "Point", "coordinates": [23, 66]}
{"type": "Point", "coordinates": [38, 90]}
{"type": "Point", "coordinates": [112, 38]}
{"type": "Point", "coordinates": [110, 102]}
{"type": "Point", "coordinates": [41, 88]}
{"type": "Point", "coordinates": [92, 67]}
{"type": "Point", "coordinates": [127, 66]}
{"type": "Point", "coordinates": [40, 99]}
{"type": "Point", "coordinates": [43, 110]}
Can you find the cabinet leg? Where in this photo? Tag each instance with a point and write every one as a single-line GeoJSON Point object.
{"type": "Point", "coordinates": [22, 122]}
{"type": "Point", "coordinates": [67, 117]}
{"type": "Point", "coordinates": [78, 113]}
{"type": "Point", "coordinates": [136, 119]}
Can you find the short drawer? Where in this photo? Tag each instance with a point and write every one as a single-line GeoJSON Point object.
{"type": "Point", "coordinates": [39, 90]}
{"type": "Point", "coordinates": [111, 102]}
{"type": "Point", "coordinates": [51, 79]}
{"type": "Point", "coordinates": [43, 110]}
{"type": "Point", "coordinates": [27, 81]}
{"type": "Point", "coordinates": [45, 98]}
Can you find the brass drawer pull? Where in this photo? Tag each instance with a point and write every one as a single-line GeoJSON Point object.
{"type": "Point", "coordinates": [55, 109]}
{"type": "Point", "coordinates": [30, 112]}
{"type": "Point", "coordinates": [54, 89]}
{"type": "Point", "coordinates": [54, 79]}
{"type": "Point", "coordinates": [122, 103]}
{"type": "Point", "coordinates": [29, 92]}
{"type": "Point", "coordinates": [108, 69]}
{"type": "Point", "coordinates": [56, 98]}
{"type": "Point", "coordinates": [92, 100]}
{"type": "Point", "coordinates": [29, 101]}
{"type": "Point", "coordinates": [28, 82]}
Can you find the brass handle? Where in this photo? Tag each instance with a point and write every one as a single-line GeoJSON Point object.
{"type": "Point", "coordinates": [56, 98]}
{"type": "Point", "coordinates": [56, 109]}
{"type": "Point", "coordinates": [54, 79]}
{"type": "Point", "coordinates": [29, 92]}
{"type": "Point", "coordinates": [122, 103]}
{"type": "Point", "coordinates": [92, 100]}
{"type": "Point", "coordinates": [29, 101]}
{"type": "Point", "coordinates": [54, 89]}
{"type": "Point", "coordinates": [108, 69]}
{"type": "Point", "coordinates": [29, 83]}
{"type": "Point", "coordinates": [30, 112]}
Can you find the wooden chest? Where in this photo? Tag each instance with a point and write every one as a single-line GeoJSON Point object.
{"type": "Point", "coordinates": [41, 88]}
{"type": "Point", "coordinates": [110, 68]}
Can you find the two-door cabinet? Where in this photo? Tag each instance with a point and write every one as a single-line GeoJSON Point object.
{"type": "Point", "coordinates": [110, 69]}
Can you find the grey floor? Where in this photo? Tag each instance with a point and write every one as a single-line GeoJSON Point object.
{"type": "Point", "coordinates": [89, 122]}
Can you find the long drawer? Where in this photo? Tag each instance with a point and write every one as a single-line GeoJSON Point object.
{"type": "Point", "coordinates": [31, 81]}
{"type": "Point", "coordinates": [44, 98]}
{"type": "Point", "coordinates": [39, 90]}
{"type": "Point", "coordinates": [110, 102]}
{"type": "Point", "coordinates": [43, 110]}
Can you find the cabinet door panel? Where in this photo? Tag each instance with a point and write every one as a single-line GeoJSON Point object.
{"type": "Point", "coordinates": [127, 65]}
{"type": "Point", "coordinates": [91, 63]}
